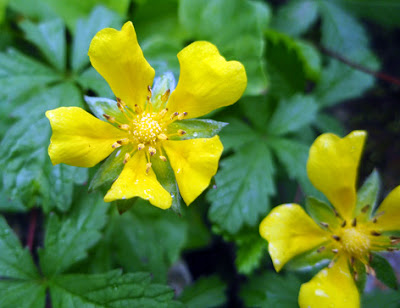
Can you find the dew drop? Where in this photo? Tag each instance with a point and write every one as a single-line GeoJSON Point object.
{"type": "Point", "coordinates": [119, 151]}
{"type": "Point", "coordinates": [178, 171]}
{"type": "Point", "coordinates": [195, 134]}
{"type": "Point", "coordinates": [172, 195]}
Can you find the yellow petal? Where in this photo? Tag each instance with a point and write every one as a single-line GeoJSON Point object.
{"type": "Point", "coordinates": [117, 56]}
{"type": "Point", "coordinates": [194, 162]}
{"type": "Point", "coordinates": [79, 139]}
{"type": "Point", "coordinates": [135, 182]}
{"type": "Point", "coordinates": [390, 207]}
{"type": "Point", "coordinates": [290, 232]}
{"type": "Point", "coordinates": [332, 287]}
{"type": "Point", "coordinates": [332, 168]}
{"type": "Point", "coordinates": [207, 81]}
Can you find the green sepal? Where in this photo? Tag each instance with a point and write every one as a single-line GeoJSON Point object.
{"type": "Point", "coordinates": [161, 85]}
{"type": "Point", "coordinates": [359, 274]}
{"type": "Point", "coordinates": [320, 211]}
{"type": "Point", "coordinates": [368, 195]}
{"type": "Point", "coordinates": [101, 105]}
{"type": "Point", "coordinates": [384, 271]}
{"type": "Point", "coordinates": [166, 177]}
{"type": "Point", "coordinates": [124, 205]}
{"type": "Point", "coordinates": [195, 129]}
{"type": "Point", "coordinates": [111, 168]}
{"type": "Point", "coordinates": [311, 259]}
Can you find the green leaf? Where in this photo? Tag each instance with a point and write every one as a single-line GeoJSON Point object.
{"type": "Point", "coordinates": [252, 248]}
{"type": "Point", "coordinates": [68, 238]}
{"type": "Point", "coordinates": [90, 79]}
{"type": "Point", "coordinates": [292, 114]}
{"type": "Point", "coordinates": [34, 9]}
{"type": "Point", "coordinates": [110, 289]}
{"type": "Point", "coordinates": [296, 17]}
{"type": "Point", "coordinates": [49, 37]}
{"type": "Point", "coordinates": [368, 195]}
{"type": "Point", "coordinates": [72, 10]}
{"type": "Point", "coordinates": [205, 292]}
{"type": "Point", "coordinates": [28, 174]}
{"type": "Point", "coordinates": [329, 124]}
{"type": "Point", "coordinates": [381, 298]}
{"type": "Point", "coordinates": [271, 290]}
{"type": "Point", "coordinates": [100, 106]}
{"type": "Point", "coordinates": [241, 40]}
{"type": "Point", "coordinates": [195, 128]}
{"type": "Point", "coordinates": [3, 6]}
{"type": "Point", "coordinates": [99, 18]}
{"type": "Point", "coordinates": [16, 70]}
{"type": "Point", "coordinates": [237, 134]}
{"type": "Point", "coordinates": [148, 239]}
{"type": "Point", "coordinates": [244, 185]}
{"type": "Point", "coordinates": [110, 169]}
{"type": "Point", "coordinates": [359, 273]}
{"type": "Point", "coordinates": [22, 294]}
{"type": "Point", "coordinates": [15, 261]}
{"type": "Point", "coordinates": [384, 271]}
{"type": "Point", "coordinates": [315, 258]}
{"type": "Point", "coordinates": [321, 211]}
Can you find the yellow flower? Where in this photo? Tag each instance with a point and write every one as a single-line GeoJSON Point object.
{"type": "Point", "coordinates": [146, 123]}
{"type": "Point", "coordinates": [350, 232]}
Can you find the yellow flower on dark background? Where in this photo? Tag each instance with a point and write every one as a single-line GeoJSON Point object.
{"type": "Point", "coordinates": [145, 123]}
{"type": "Point", "coordinates": [349, 233]}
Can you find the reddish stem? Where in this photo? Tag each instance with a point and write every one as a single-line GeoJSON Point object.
{"type": "Point", "coordinates": [31, 229]}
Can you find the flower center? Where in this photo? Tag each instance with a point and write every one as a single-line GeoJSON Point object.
{"type": "Point", "coordinates": [355, 241]}
{"type": "Point", "coordinates": [146, 128]}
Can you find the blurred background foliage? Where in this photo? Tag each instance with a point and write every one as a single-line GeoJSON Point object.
{"type": "Point", "coordinates": [310, 67]}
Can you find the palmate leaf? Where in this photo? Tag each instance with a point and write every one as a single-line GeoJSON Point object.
{"type": "Point", "coordinates": [68, 238]}
{"type": "Point", "coordinates": [22, 294]}
{"type": "Point", "coordinates": [148, 239]}
{"type": "Point", "coordinates": [244, 184]}
{"type": "Point", "coordinates": [241, 40]}
{"type": "Point", "coordinates": [111, 290]}
{"type": "Point", "coordinates": [252, 248]}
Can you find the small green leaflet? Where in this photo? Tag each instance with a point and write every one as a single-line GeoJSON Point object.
{"type": "Point", "coordinates": [384, 271]}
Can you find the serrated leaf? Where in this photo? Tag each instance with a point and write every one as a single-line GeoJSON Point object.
{"type": "Point", "coordinates": [271, 290]}
{"type": "Point", "coordinates": [241, 40]}
{"type": "Point", "coordinates": [244, 185]}
{"type": "Point", "coordinates": [237, 134]}
{"type": "Point", "coordinates": [68, 238]}
{"type": "Point", "coordinates": [205, 292]}
{"type": "Point", "coordinates": [292, 114]}
{"type": "Point", "coordinates": [49, 37]}
{"type": "Point", "coordinates": [384, 271]}
{"type": "Point", "coordinates": [148, 239]}
{"type": "Point", "coordinates": [110, 289]}
{"type": "Point", "coordinates": [22, 294]}
{"type": "Point", "coordinates": [321, 211]}
{"type": "Point", "coordinates": [250, 253]}
{"type": "Point", "coordinates": [99, 18]}
{"type": "Point", "coordinates": [296, 17]}
{"type": "Point", "coordinates": [196, 128]}
{"type": "Point", "coordinates": [368, 195]}
{"type": "Point", "coordinates": [15, 261]}
{"type": "Point", "coordinates": [28, 174]}
{"type": "Point", "coordinates": [110, 169]}
{"type": "Point", "coordinates": [16, 69]}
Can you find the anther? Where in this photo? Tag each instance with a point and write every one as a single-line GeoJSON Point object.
{"type": "Point", "coordinates": [124, 127]}
{"type": "Point", "coordinates": [355, 276]}
{"type": "Point", "coordinates": [375, 220]}
{"type": "Point", "coordinates": [149, 89]}
{"type": "Point", "coordinates": [174, 115]}
{"type": "Point", "coordinates": [335, 250]}
{"type": "Point", "coordinates": [123, 141]}
{"type": "Point", "coordinates": [181, 132]}
{"type": "Point", "coordinates": [374, 233]}
{"type": "Point", "coordinates": [321, 249]}
{"type": "Point", "coordinates": [162, 137]}
{"type": "Point", "coordinates": [163, 158]}
{"type": "Point", "coordinates": [352, 260]}
{"type": "Point", "coordinates": [343, 224]}
{"type": "Point", "coordinates": [121, 102]}
{"type": "Point", "coordinates": [392, 249]}
{"type": "Point", "coordinates": [152, 151]}
{"type": "Point", "coordinates": [120, 106]}
{"type": "Point", "coordinates": [354, 222]}
{"type": "Point", "coordinates": [109, 118]}
{"type": "Point", "coordinates": [163, 113]}
{"type": "Point", "coordinates": [138, 109]}
{"type": "Point", "coordinates": [336, 238]}
{"type": "Point", "coordinates": [127, 158]}
{"type": "Point", "coordinates": [182, 115]}
{"type": "Point", "coordinates": [336, 212]}
{"type": "Point", "coordinates": [140, 146]}
{"type": "Point", "coordinates": [165, 96]}
{"type": "Point", "coordinates": [395, 241]}
{"type": "Point", "coordinates": [324, 224]}
{"type": "Point", "coordinates": [148, 167]}
{"type": "Point", "coordinates": [115, 145]}
{"type": "Point", "coordinates": [365, 208]}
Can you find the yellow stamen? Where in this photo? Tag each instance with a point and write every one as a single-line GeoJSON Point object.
{"type": "Point", "coordinates": [124, 141]}
{"type": "Point", "coordinates": [115, 145]}
{"type": "Point", "coordinates": [152, 151]}
{"type": "Point", "coordinates": [162, 136]}
{"type": "Point", "coordinates": [140, 146]}
{"type": "Point", "coordinates": [165, 96]}
{"type": "Point", "coordinates": [182, 115]}
{"type": "Point", "coordinates": [181, 132]}
{"type": "Point", "coordinates": [109, 118]}
{"type": "Point", "coordinates": [163, 158]}
{"type": "Point", "coordinates": [124, 127]}
{"type": "Point", "coordinates": [148, 167]}
{"type": "Point", "coordinates": [127, 158]}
